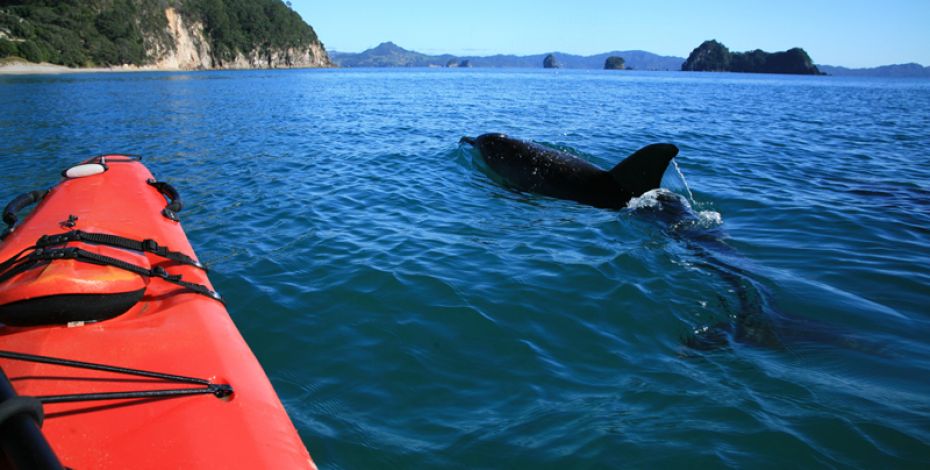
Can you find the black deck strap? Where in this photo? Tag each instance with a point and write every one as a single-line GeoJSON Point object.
{"type": "Point", "coordinates": [22, 265]}
{"type": "Point", "coordinates": [147, 245]}
{"type": "Point", "coordinates": [14, 406]}
{"type": "Point", "coordinates": [157, 271]}
{"type": "Point", "coordinates": [13, 259]}
{"type": "Point", "coordinates": [15, 356]}
{"type": "Point", "coordinates": [218, 390]}
{"type": "Point", "coordinates": [17, 204]}
{"type": "Point", "coordinates": [174, 198]}
{"type": "Point", "coordinates": [50, 254]}
{"type": "Point", "coordinates": [201, 289]}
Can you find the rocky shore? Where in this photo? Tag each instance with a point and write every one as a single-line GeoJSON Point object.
{"type": "Point", "coordinates": [94, 36]}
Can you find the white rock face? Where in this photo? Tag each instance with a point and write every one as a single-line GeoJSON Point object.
{"type": "Point", "coordinates": [192, 51]}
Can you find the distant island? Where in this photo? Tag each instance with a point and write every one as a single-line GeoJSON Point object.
{"type": "Point", "coordinates": [550, 63]}
{"type": "Point", "coordinates": [712, 56]}
{"type": "Point", "coordinates": [453, 63]}
{"type": "Point", "coordinates": [911, 70]}
{"type": "Point", "coordinates": [160, 35]}
{"type": "Point", "coordinates": [388, 54]}
{"type": "Point", "coordinates": [614, 63]}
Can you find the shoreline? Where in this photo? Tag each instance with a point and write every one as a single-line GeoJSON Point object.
{"type": "Point", "coordinates": [45, 68]}
{"type": "Point", "coordinates": [21, 67]}
{"type": "Point", "coordinates": [18, 67]}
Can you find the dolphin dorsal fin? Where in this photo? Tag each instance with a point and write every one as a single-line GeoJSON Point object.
{"type": "Point", "coordinates": [642, 171]}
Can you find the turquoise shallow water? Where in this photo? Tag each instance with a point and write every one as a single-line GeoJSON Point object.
{"type": "Point", "coordinates": [413, 313]}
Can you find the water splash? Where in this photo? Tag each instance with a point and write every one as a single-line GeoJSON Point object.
{"type": "Point", "coordinates": [710, 218]}
{"type": "Point", "coordinates": [651, 199]}
{"type": "Point", "coordinates": [676, 209]}
{"type": "Point", "coordinates": [707, 218]}
{"type": "Point", "coordinates": [681, 176]}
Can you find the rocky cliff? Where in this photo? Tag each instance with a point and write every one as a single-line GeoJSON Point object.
{"type": "Point", "coordinates": [160, 34]}
{"type": "Point", "coordinates": [712, 56]}
{"type": "Point", "coordinates": [191, 49]}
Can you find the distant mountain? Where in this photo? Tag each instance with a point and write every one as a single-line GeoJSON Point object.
{"type": "Point", "coordinates": [389, 54]}
{"type": "Point", "coordinates": [897, 70]}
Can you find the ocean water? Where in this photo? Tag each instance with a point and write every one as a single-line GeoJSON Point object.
{"type": "Point", "coordinates": [769, 308]}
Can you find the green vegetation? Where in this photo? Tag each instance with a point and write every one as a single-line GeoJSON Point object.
{"type": "Point", "coordinates": [242, 26]}
{"type": "Point", "coordinates": [80, 33]}
{"type": "Point", "coordinates": [712, 56]}
{"type": "Point", "coordinates": [614, 63]}
{"type": "Point", "coordinates": [10, 60]}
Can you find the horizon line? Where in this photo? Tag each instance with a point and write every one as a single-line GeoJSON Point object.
{"type": "Point", "coordinates": [598, 53]}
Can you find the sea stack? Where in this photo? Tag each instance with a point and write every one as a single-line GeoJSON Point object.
{"type": "Point", "coordinates": [550, 63]}
{"type": "Point", "coordinates": [614, 63]}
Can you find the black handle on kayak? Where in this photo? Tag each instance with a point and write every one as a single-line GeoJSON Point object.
{"type": "Point", "coordinates": [18, 204]}
{"type": "Point", "coordinates": [174, 198]}
{"type": "Point", "coordinates": [22, 444]}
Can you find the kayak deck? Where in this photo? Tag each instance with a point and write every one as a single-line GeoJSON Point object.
{"type": "Point", "coordinates": [171, 330]}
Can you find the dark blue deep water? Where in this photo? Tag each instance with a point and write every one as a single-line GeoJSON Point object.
{"type": "Point", "coordinates": [414, 313]}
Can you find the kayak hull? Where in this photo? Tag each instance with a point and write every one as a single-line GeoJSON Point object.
{"type": "Point", "coordinates": [170, 330]}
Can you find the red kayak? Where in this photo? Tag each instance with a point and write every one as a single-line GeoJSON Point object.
{"type": "Point", "coordinates": [116, 346]}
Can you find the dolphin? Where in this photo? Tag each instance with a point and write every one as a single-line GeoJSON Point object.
{"type": "Point", "coordinates": [531, 167]}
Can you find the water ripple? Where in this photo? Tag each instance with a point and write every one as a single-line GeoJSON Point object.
{"type": "Point", "coordinates": [413, 312]}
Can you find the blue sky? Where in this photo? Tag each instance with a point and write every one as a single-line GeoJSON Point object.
{"type": "Point", "coordinates": [851, 33]}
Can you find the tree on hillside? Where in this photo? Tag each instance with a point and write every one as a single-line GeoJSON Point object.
{"type": "Point", "coordinates": [115, 32]}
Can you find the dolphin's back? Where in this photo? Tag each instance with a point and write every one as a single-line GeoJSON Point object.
{"type": "Point", "coordinates": [531, 167]}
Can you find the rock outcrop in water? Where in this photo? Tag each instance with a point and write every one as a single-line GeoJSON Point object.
{"type": "Point", "coordinates": [712, 56]}
{"type": "Point", "coordinates": [614, 63]}
{"type": "Point", "coordinates": [169, 35]}
{"type": "Point", "coordinates": [456, 63]}
{"type": "Point", "coordinates": [550, 63]}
